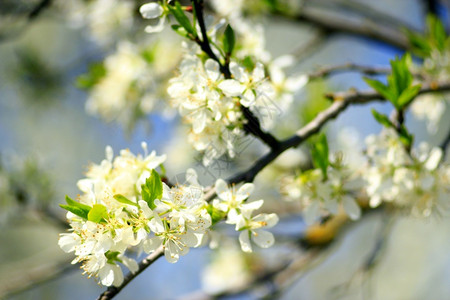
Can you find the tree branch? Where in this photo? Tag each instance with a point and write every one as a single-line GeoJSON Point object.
{"type": "Point", "coordinates": [335, 23]}
{"type": "Point", "coordinates": [348, 67]}
{"type": "Point", "coordinates": [341, 102]}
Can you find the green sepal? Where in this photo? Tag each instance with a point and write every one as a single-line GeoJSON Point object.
{"type": "Point", "coordinates": [216, 214]}
{"type": "Point", "coordinates": [178, 13]}
{"type": "Point", "coordinates": [229, 40]}
{"type": "Point", "coordinates": [152, 189]}
{"type": "Point", "coordinates": [112, 256]}
{"type": "Point", "coordinates": [98, 214]}
{"type": "Point", "coordinates": [77, 208]}
{"type": "Point", "coordinates": [319, 153]}
{"type": "Point", "coordinates": [124, 200]}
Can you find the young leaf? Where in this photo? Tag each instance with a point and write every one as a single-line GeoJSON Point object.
{"type": "Point", "coordinates": [228, 40]}
{"type": "Point", "coordinates": [437, 32]}
{"type": "Point", "coordinates": [380, 88]}
{"type": "Point", "coordinates": [408, 95]}
{"type": "Point", "coordinates": [319, 153]}
{"type": "Point", "coordinates": [178, 13]}
{"type": "Point", "coordinates": [382, 119]}
{"type": "Point", "coordinates": [152, 189]}
{"type": "Point", "coordinates": [77, 208]}
{"type": "Point", "coordinates": [124, 200]}
{"type": "Point", "coordinates": [98, 213]}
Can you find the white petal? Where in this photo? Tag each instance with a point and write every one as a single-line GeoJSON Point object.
{"type": "Point", "coordinates": [312, 213]}
{"type": "Point", "coordinates": [351, 207]}
{"type": "Point", "coordinates": [434, 159]}
{"type": "Point", "coordinates": [258, 72]}
{"type": "Point", "coordinates": [231, 87]}
{"type": "Point", "coordinates": [262, 238]}
{"type": "Point", "coordinates": [199, 121]}
{"type": "Point", "coordinates": [151, 10]}
{"type": "Point", "coordinates": [212, 69]}
{"type": "Point", "coordinates": [244, 191]}
{"type": "Point", "coordinates": [130, 263]}
{"type": "Point", "coordinates": [156, 28]}
{"type": "Point", "coordinates": [222, 189]}
{"type": "Point", "coordinates": [244, 240]}
{"type": "Point", "coordinates": [151, 244]}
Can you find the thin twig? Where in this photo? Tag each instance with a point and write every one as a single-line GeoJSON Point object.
{"type": "Point", "coordinates": [348, 67]}
{"type": "Point", "coordinates": [341, 23]}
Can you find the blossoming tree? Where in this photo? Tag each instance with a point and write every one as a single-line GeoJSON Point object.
{"type": "Point", "coordinates": [205, 63]}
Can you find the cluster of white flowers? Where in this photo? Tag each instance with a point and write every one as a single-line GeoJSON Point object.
{"type": "Point", "coordinates": [318, 194]}
{"type": "Point", "coordinates": [239, 213]}
{"type": "Point", "coordinates": [122, 207]}
{"type": "Point", "coordinates": [133, 81]}
{"type": "Point", "coordinates": [418, 181]}
{"type": "Point", "coordinates": [212, 104]}
{"type": "Point", "coordinates": [431, 108]}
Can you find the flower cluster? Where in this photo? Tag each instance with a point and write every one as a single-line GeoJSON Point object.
{"type": "Point", "coordinates": [239, 213]}
{"type": "Point", "coordinates": [211, 104]}
{"type": "Point", "coordinates": [132, 81]}
{"type": "Point", "coordinates": [126, 205]}
{"type": "Point", "coordinates": [318, 193]}
{"type": "Point", "coordinates": [417, 181]}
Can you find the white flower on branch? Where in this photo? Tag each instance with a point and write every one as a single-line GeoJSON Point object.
{"type": "Point", "coordinates": [418, 181]}
{"type": "Point", "coordinates": [319, 194]}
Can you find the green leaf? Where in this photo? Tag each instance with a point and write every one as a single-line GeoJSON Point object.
{"type": "Point", "coordinates": [77, 208]}
{"type": "Point", "coordinates": [420, 44]}
{"type": "Point", "coordinates": [152, 189]}
{"type": "Point", "coordinates": [436, 30]}
{"type": "Point", "coordinates": [95, 72]}
{"type": "Point", "coordinates": [380, 88]}
{"type": "Point", "coordinates": [408, 95]}
{"type": "Point", "coordinates": [319, 153]}
{"type": "Point", "coordinates": [124, 200]}
{"type": "Point", "coordinates": [228, 40]}
{"type": "Point", "coordinates": [98, 214]}
{"type": "Point", "coordinates": [382, 119]}
{"type": "Point", "coordinates": [178, 13]}
{"type": "Point", "coordinates": [216, 214]}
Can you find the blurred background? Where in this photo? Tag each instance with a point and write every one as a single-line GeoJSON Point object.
{"type": "Point", "coordinates": [49, 136]}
